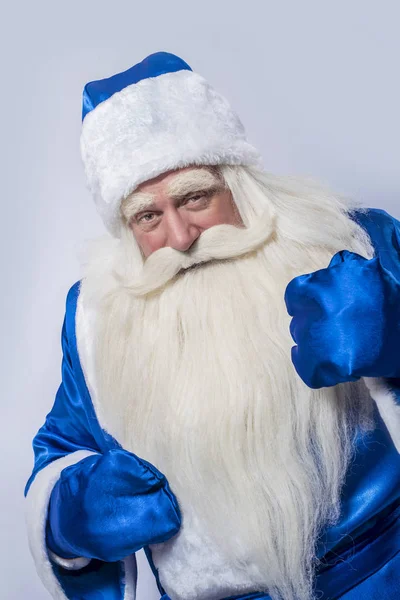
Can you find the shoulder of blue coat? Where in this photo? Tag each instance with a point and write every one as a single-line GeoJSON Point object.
{"type": "Point", "coordinates": [70, 311]}
{"type": "Point", "coordinates": [73, 291]}
{"type": "Point", "coordinates": [383, 228]}
{"type": "Point", "coordinates": [72, 297]}
{"type": "Point", "coordinates": [378, 216]}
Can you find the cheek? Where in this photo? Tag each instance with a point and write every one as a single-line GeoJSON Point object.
{"type": "Point", "coordinates": [148, 243]}
{"type": "Point", "coordinates": [222, 212]}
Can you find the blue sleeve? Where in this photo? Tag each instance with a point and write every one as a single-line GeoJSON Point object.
{"type": "Point", "coordinates": [71, 425]}
{"type": "Point", "coordinates": [384, 232]}
{"type": "Point", "coordinates": [346, 317]}
{"type": "Point", "coordinates": [70, 431]}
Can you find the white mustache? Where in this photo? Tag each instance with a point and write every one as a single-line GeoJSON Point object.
{"type": "Point", "coordinates": [216, 243]}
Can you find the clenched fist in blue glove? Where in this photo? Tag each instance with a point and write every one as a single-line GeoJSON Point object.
{"type": "Point", "coordinates": [109, 506]}
{"type": "Point", "coordinates": [346, 321]}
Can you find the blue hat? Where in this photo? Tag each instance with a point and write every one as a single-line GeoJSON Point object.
{"type": "Point", "coordinates": [156, 116]}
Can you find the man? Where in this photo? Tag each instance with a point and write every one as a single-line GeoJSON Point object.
{"type": "Point", "coordinates": [187, 423]}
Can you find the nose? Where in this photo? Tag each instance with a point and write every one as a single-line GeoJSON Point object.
{"type": "Point", "coordinates": [181, 233]}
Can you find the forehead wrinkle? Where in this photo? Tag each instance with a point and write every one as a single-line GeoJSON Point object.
{"type": "Point", "coordinates": [193, 180]}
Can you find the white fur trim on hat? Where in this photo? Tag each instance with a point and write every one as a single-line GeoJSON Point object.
{"type": "Point", "coordinates": [150, 127]}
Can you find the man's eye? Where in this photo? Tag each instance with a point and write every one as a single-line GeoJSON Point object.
{"type": "Point", "coordinates": [144, 217]}
{"type": "Point", "coordinates": [195, 198]}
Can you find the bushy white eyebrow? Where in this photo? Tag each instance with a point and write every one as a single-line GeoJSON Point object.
{"type": "Point", "coordinates": [181, 185]}
{"type": "Point", "coordinates": [139, 201]}
{"type": "Point", "coordinates": [189, 181]}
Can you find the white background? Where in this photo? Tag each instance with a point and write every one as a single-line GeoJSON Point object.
{"type": "Point", "coordinates": [316, 84]}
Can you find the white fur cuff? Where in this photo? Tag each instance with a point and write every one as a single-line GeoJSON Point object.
{"type": "Point", "coordinates": [71, 564]}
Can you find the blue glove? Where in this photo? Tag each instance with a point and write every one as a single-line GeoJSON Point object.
{"type": "Point", "coordinates": [346, 321]}
{"type": "Point", "coordinates": [109, 506]}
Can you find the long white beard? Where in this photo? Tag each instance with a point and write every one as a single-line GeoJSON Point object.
{"type": "Point", "coordinates": [198, 380]}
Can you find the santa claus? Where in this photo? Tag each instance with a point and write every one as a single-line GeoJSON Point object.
{"type": "Point", "coordinates": [230, 398]}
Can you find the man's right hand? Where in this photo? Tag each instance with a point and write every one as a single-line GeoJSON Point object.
{"type": "Point", "coordinates": [109, 506]}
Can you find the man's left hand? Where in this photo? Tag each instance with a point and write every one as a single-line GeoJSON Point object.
{"type": "Point", "coordinates": [346, 321]}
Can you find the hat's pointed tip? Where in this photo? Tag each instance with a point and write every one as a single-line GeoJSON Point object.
{"type": "Point", "coordinates": [153, 65]}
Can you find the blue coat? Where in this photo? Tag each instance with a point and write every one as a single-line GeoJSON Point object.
{"type": "Point", "coordinates": [360, 554]}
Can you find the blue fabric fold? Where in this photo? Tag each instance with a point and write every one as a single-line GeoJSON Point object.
{"type": "Point", "coordinates": [71, 424]}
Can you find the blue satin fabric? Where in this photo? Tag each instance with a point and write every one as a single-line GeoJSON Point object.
{"type": "Point", "coordinates": [153, 65]}
{"type": "Point", "coordinates": [368, 570]}
{"type": "Point", "coordinates": [117, 502]}
{"type": "Point", "coordinates": [367, 554]}
{"type": "Point", "coordinates": [372, 486]}
{"type": "Point", "coordinates": [71, 424]}
{"type": "Point", "coordinates": [384, 584]}
{"type": "Point", "coordinates": [97, 581]}
{"type": "Point", "coordinates": [346, 317]}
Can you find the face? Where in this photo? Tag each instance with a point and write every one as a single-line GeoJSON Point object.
{"type": "Point", "coordinates": [174, 208]}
